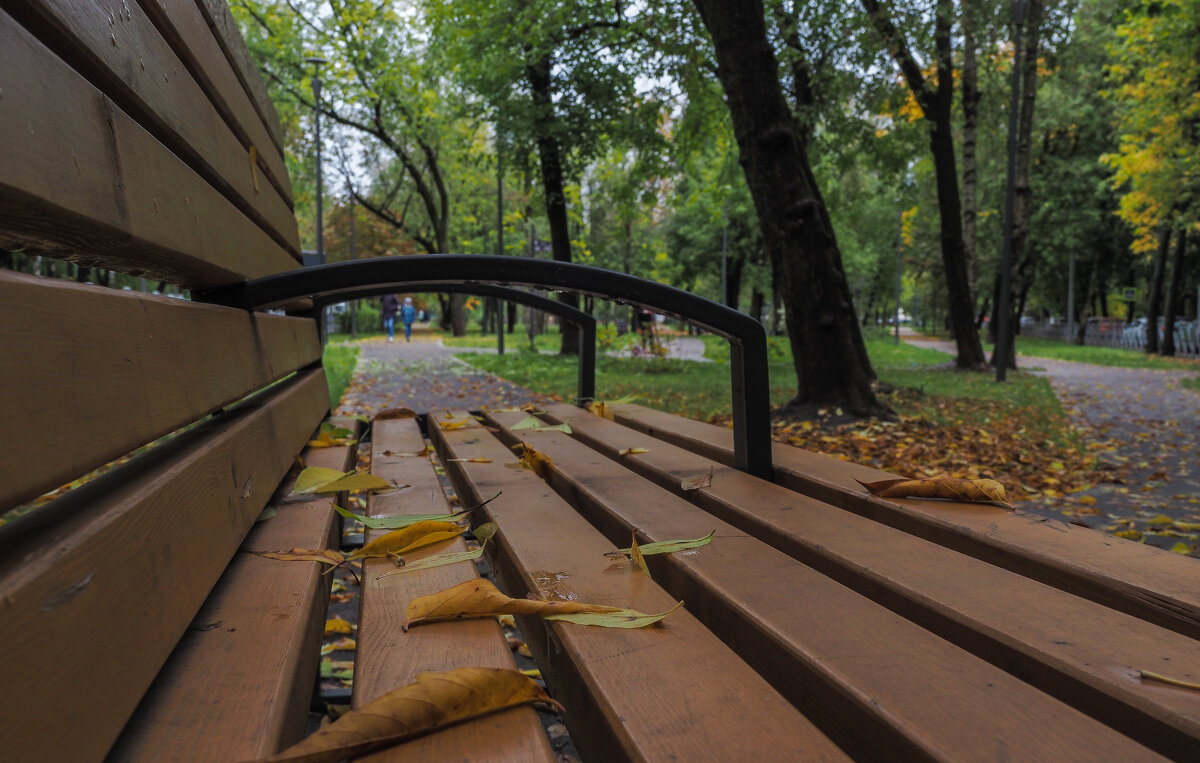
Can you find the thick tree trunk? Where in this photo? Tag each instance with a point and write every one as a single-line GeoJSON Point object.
{"type": "Point", "coordinates": [831, 361]}
{"type": "Point", "coordinates": [937, 104]}
{"type": "Point", "coordinates": [756, 305]}
{"type": "Point", "coordinates": [1177, 276]}
{"type": "Point", "coordinates": [538, 74]}
{"type": "Point", "coordinates": [1156, 286]}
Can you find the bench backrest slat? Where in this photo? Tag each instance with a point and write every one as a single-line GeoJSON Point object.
{"type": "Point", "coordinates": [100, 585]}
{"type": "Point", "coordinates": [109, 371]}
{"type": "Point", "coordinates": [130, 171]}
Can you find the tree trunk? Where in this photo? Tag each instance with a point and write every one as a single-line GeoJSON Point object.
{"type": "Point", "coordinates": [1177, 276]}
{"type": "Point", "coordinates": [1156, 286]}
{"type": "Point", "coordinates": [970, 175]}
{"type": "Point", "coordinates": [832, 367]}
{"type": "Point", "coordinates": [756, 305]}
{"type": "Point", "coordinates": [550, 156]}
{"type": "Point", "coordinates": [937, 104]}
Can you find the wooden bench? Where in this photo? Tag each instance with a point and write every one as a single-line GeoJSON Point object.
{"type": "Point", "coordinates": [820, 623]}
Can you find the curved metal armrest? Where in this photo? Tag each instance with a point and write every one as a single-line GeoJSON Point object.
{"type": "Point", "coordinates": [748, 341]}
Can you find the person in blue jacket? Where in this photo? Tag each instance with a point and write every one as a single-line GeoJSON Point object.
{"type": "Point", "coordinates": [408, 314]}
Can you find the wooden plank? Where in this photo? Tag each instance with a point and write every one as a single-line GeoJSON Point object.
{"type": "Point", "coordinates": [99, 586]}
{"type": "Point", "coordinates": [247, 666]}
{"type": "Point", "coordinates": [388, 658]}
{"type": "Point", "coordinates": [119, 51]}
{"type": "Point", "coordinates": [225, 29]}
{"type": "Point", "coordinates": [1076, 650]}
{"type": "Point", "coordinates": [190, 36]}
{"type": "Point", "coordinates": [662, 693]}
{"type": "Point", "coordinates": [82, 180]}
{"type": "Point", "coordinates": [83, 359]}
{"type": "Point", "coordinates": [1146, 582]}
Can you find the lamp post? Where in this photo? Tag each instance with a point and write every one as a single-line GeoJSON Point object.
{"type": "Point", "coordinates": [1004, 349]}
{"type": "Point", "coordinates": [316, 61]}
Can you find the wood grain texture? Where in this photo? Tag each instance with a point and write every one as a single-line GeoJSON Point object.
{"type": "Point", "coordinates": [105, 371]}
{"type": "Point", "coordinates": [83, 181]}
{"type": "Point", "coordinates": [99, 586]}
{"type": "Point", "coordinates": [1076, 650]}
{"type": "Point", "coordinates": [117, 48]}
{"type": "Point", "coordinates": [388, 658]}
{"type": "Point", "coordinates": [225, 29]}
{"type": "Point", "coordinates": [1149, 583]}
{"type": "Point", "coordinates": [187, 31]}
{"type": "Point", "coordinates": [671, 692]}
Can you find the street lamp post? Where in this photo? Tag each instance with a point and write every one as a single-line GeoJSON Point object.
{"type": "Point", "coordinates": [316, 61]}
{"type": "Point", "coordinates": [1004, 348]}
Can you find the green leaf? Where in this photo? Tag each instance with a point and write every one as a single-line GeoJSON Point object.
{"type": "Point", "coordinates": [625, 618]}
{"type": "Point", "coordinates": [313, 477]}
{"type": "Point", "coordinates": [669, 546]}
{"type": "Point", "coordinates": [436, 561]}
{"type": "Point", "coordinates": [394, 523]}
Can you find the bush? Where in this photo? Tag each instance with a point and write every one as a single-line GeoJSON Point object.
{"type": "Point", "coordinates": [369, 320]}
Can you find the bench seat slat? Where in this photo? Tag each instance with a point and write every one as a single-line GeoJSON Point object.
{"type": "Point", "coordinates": [82, 180]}
{"type": "Point", "coordinates": [83, 359]}
{"type": "Point", "coordinates": [668, 692]}
{"type": "Point", "coordinates": [248, 664]}
{"type": "Point", "coordinates": [388, 658]}
{"type": "Point", "coordinates": [134, 552]}
{"type": "Point", "coordinates": [1158, 587]}
{"type": "Point", "coordinates": [819, 632]}
{"type": "Point", "coordinates": [120, 51]}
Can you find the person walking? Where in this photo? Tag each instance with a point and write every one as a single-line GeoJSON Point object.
{"type": "Point", "coordinates": [391, 303]}
{"type": "Point", "coordinates": [408, 314]}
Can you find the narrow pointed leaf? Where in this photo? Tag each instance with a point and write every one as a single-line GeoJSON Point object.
{"type": "Point", "coordinates": [633, 451]}
{"type": "Point", "coordinates": [668, 546]}
{"type": "Point", "coordinates": [1151, 676]}
{"type": "Point", "coordinates": [625, 618]}
{"type": "Point", "coordinates": [481, 598]}
{"type": "Point", "coordinates": [323, 555]}
{"type": "Point", "coordinates": [636, 555]}
{"type": "Point", "coordinates": [430, 562]}
{"type": "Point", "coordinates": [396, 523]}
{"type": "Point", "coordinates": [945, 488]}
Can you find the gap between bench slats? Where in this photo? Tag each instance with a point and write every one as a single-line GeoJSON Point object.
{"type": "Point", "coordinates": [82, 180]}
{"type": "Point", "coordinates": [667, 692]}
{"type": "Point", "coordinates": [99, 599]}
{"type": "Point", "coordinates": [104, 372]}
{"type": "Point", "coordinates": [239, 683]}
{"type": "Point", "coordinates": [388, 658]}
{"type": "Point", "coordinates": [121, 53]}
{"type": "Point", "coordinates": [1076, 650]}
{"type": "Point", "coordinates": [1157, 586]}
{"type": "Point", "coordinates": [801, 628]}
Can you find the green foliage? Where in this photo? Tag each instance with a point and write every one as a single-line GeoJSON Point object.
{"type": "Point", "coordinates": [339, 361]}
{"type": "Point", "coordinates": [370, 320]}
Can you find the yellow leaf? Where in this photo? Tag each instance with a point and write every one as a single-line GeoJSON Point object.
{"type": "Point", "coordinates": [341, 645]}
{"type": "Point", "coordinates": [479, 460]}
{"type": "Point", "coordinates": [434, 701]}
{"type": "Point", "coordinates": [1151, 676]}
{"type": "Point", "coordinates": [1161, 519]}
{"type": "Point", "coordinates": [532, 673]}
{"type": "Point", "coordinates": [523, 650]}
{"type": "Point", "coordinates": [480, 598]}
{"type": "Point", "coordinates": [601, 409]}
{"type": "Point", "coordinates": [338, 625]}
{"type": "Point", "coordinates": [635, 554]}
{"type": "Point", "coordinates": [356, 481]}
{"type": "Point", "coordinates": [1181, 548]}
{"type": "Point", "coordinates": [1128, 534]}
{"type": "Point", "coordinates": [406, 539]}
{"type": "Point", "coordinates": [698, 482]}
{"type": "Point", "coordinates": [314, 477]}
{"type": "Point", "coordinates": [534, 461]}
{"type": "Point", "coordinates": [633, 451]}
{"type": "Point", "coordinates": [945, 488]}
{"type": "Point", "coordinates": [447, 427]}
{"type": "Point", "coordinates": [1087, 499]}
{"type": "Point", "coordinates": [323, 555]}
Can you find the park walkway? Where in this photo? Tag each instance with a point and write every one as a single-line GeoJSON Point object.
{"type": "Point", "coordinates": [1145, 429]}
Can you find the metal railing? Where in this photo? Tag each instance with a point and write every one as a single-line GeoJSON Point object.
{"type": "Point", "coordinates": [1113, 332]}
{"type": "Point", "coordinates": [749, 374]}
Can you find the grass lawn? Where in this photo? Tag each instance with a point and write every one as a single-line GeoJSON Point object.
{"type": "Point", "coordinates": [339, 360]}
{"type": "Point", "coordinates": [1100, 356]}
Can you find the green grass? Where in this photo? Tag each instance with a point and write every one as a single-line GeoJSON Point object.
{"type": "Point", "coordinates": [1101, 356]}
{"type": "Point", "coordinates": [1192, 383]}
{"type": "Point", "coordinates": [339, 360]}
{"type": "Point", "coordinates": [548, 341]}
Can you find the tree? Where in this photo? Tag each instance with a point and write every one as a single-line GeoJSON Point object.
{"type": "Point", "coordinates": [831, 360]}
{"type": "Point", "coordinates": [936, 101]}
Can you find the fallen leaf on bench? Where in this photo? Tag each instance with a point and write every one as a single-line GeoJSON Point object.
{"type": "Point", "coordinates": [422, 452]}
{"type": "Point", "coordinates": [536, 462]}
{"type": "Point", "coordinates": [324, 555]}
{"type": "Point", "coordinates": [395, 413]}
{"type": "Point", "coordinates": [535, 424]}
{"type": "Point", "coordinates": [434, 701]}
{"type": "Point", "coordinates": [338, 625]}
{"type": "Point", "coordinates": [395, 523]}
{"type": "Point", "coordinates": [341, 645]}
{"type": "Point", "coordinates": [319, 479]}
{"type": "Point", "coordinates": [267, 513]}
{"type": "Point", "coordinates": [666, 546]}
{"type": "Point", "coordinates": [633, 451]}
{"type": "Point", "coordinates": [639, 561]}
{"type": "Point", "coordinates": [1150, 676]}
{"type": "Point", "coordinates": [487, 530]}
{"type": "Point", "coordinates": [414, 536]}
{"type": "Point", "coordinates": [480, 460]}
{"type": "Point", "coordinates": [314, 477]}
{"type": "Point", "coordinates": [481, 598]}
{"type": "Point", "coordinates": [430, 562]}
{"type": "Point", "coordinates": [945, 488]}
{"type": "Point", "coordinates": [447, 427]}
{"type": "Point", "coordinates": [327, 440]}
{"type": "Point", "coordinates": [599, 408]}
{"type": "Point", "coordinates": [700, 481]}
